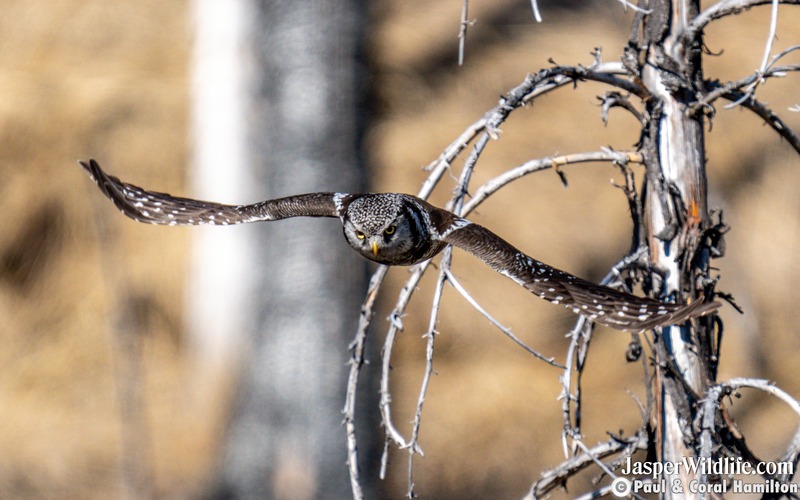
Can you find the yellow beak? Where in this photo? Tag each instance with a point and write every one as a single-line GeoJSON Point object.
{"type": "Point", "coordinates": [375, 248]}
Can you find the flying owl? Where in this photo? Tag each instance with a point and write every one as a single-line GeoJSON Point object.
{"type": "Point", "coordinates": [401, 230]}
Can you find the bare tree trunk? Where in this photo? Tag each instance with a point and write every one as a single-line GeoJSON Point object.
{"type": "Point", "coordinates": [676, 192]}
{"type": "Point", "coordinates": [301, 286]}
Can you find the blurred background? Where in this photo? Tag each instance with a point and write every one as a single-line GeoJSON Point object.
{"type": "Point", "coordinates": [87, 411]}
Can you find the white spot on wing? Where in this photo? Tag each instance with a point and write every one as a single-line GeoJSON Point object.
{"type": "Point", "coordinates": [457, 224]}
{"type": "Point", "coordinates": [338, 200]}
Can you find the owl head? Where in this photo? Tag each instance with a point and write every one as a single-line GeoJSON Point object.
{"type": "Point", "coordinates": [388, 228]}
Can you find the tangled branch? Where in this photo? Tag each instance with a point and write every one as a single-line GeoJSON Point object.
{"type": "Point", "coordinates": [625, 88]}
{"type": "Point", "coordinates": [723, 9]}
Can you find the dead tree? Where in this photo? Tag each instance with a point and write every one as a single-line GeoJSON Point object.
{"type": "Point", "coordinates": [659, 80]}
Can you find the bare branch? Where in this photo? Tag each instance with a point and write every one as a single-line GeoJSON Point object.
{"type": "Point", "coordinates": [462, 33]}
{"type": "Point", "coordinates": [768, 116]}
{"type": "Point", "coordinates": [616, 100]}
{"type": "Point", "coordinates": [532, 87]}
{"type": "Point", "coordinates": [536, 15]}
{"type": "Point", "coordinates": [638, 240]}
{"type": "Point", "coordinates": [456, 204]}
{"type": "Point", "coordinates": [581, 330]}
{"type": "Point", "coordinates": [426, 378]}
{"type": "Point", "coordinates": [766, 386]}
{"type": "Point", "coordinates": [723, 9]}
{"type": "Point", "coordinates": [356, 362]}
{"type": "Point", "coordinates": [474, 303]}
{"type": "Point", "coordinates": [585, 449]}
{"type": "Point", "coordinates": [395, 325]}
{"type": "Point", "coordinates": [710, 405]}
{"type": "Point", "coordinates": [608, 73]}
{"type": "Point", "coordinates": [529, 167]}
{"type": "Point", "coordinates": [773, 28]}
{"type": "Point", "coordinates": [765, 72]}
{"type": "Point", "coordinates": [556, 477]}
{"type": "Point", "coordinates": [718, 90]}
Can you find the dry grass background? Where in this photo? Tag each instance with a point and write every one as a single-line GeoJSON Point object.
{"type": "Point", "coordinates": [108, 79]}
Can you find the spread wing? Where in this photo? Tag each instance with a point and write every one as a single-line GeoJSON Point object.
{"type": "Point", "coordinates": [162, 208]}
{"type": "Point", "coordinates": [601, 304]}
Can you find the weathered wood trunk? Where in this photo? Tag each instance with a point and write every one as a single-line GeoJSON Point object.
{"type": "Point", "coordinates": [675, 212]}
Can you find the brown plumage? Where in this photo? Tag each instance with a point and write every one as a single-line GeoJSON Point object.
{"type": "Point", "coordinates": [400, 229]}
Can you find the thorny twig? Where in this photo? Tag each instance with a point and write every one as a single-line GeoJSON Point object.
{"type": "Point", "coordinates": [773, 27]}
{"type": "Point", "coordinates": [506, 331]}
{"type": "Point", "coordinates": [455, 205]}
{"type": "Point", "coordinates": [557, 476]}
{"type": "Point", "coordinates": [580, 337]}
{"type": "Point", "coordinates": [769, 117]}
{"type": "Point", "coordinates": [531, 87]}
{"type": "Point", "coordinates": [426, 378]}
{"type": "Point", "coordinates": [493, 185]}
{"type": "Point", "coordinates": [462, 32]}
{"type": "Point", "coordinates": [395, 325]}
{"type": "Point", "coordinates": [723, 9]}
{"type": "Point", "coordinates": [356, 362]}
{"type": "Point", "coordinates": [720, 90]}
{"type": "Point", "coordinates": [709, 414]}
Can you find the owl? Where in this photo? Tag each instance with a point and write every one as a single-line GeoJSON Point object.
{"type": "Point", "coordinates": [401, 230]}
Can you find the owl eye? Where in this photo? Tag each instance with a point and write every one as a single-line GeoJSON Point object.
{"type": "Point", "coordinates": [360, 235]}
{"type": "Point", "coordinates": [390, 230]}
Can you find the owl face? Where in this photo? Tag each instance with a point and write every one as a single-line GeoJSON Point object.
{"type": "Point", "coordinates": [386, 228]}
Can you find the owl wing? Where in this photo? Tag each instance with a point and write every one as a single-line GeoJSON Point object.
{"type": "Point", "coordinates": [162, 208]}
{"type": "Point", "coordinates": [601, 304]}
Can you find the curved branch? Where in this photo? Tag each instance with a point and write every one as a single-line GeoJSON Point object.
{"type": "Point", "coordinates": [718, 90]}
{"type": "Point", "coordinates": [531, 87]}
{"type": "Point", "coordinates": [556, 477]}
{"type": "Point", "coordinates": [426, 376]}
{"type": "Point", "coordinates": [580, 336]}
{"type": "Point", "coordinates": [396, 325]}
{"type": "Point", "coordinates": [766, 70]}
{"type": "Point", "coordinates": [529, 167]}
{"type": "Point", "coordinates": [723, 9]}
{"type": "Point", "coordinates": [711, 403]}
{"type": "Point", "coordinates": [506, 331]}
{"type": "Point", "coordinates": [767, 115]}
{"type": "Point", "coordinates": [356, 362]}
{"type": "Point", "coordinates": [614, 99]}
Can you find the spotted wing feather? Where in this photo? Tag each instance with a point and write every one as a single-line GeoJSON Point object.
{"type": "Point", "coordinates": [161, 208]}
{"type": "Point", "coordinates": [601, 304]}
